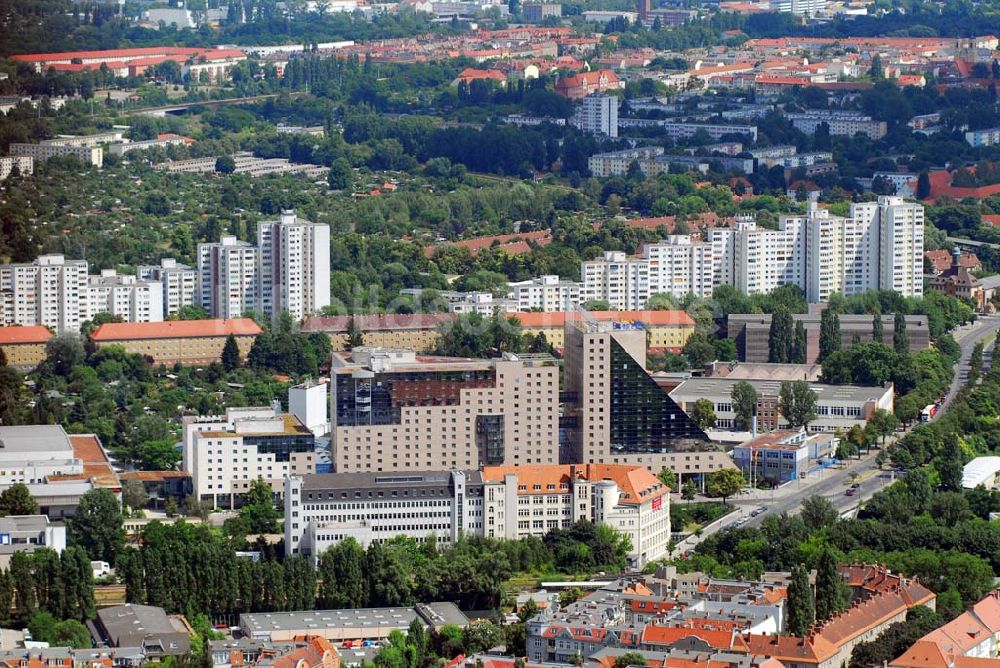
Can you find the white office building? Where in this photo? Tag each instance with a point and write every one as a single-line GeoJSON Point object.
{"type": "Point", "coordinates": [616, 278]}
{"type": "Point", "coordinates": [225, 453]}
{"type": "Point", "coordinates": [227, 277]}
{"type": "Point", "coordinates": [126, 297]}
{"type": "Point", "coordinates": [51, 291]}
{"type": "Point", "coordinates": [322, 510]}
{"type": "Point", "coordinates": [179, 283]}
{"type": "Point", "coordinates": [547, 293]}
{"type": "Point", "coordinates": [598, 113]}
{"type": "Point", "coordinates": [294, 266]}
{"type": "Point", "coordinates": [497, 501]}
{"type": "Point", "coordinates": [679, 266]}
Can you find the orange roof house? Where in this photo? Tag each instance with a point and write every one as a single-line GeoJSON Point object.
{"type": "Point", "coordinates": [24, 347]}
{"type": "Point", "coordinates": [637, 484]}
{"type": "Point", "coordinates": [971, 634]}
{"type": "Point", "coordinates": [184, 341]}
{"type": "Point", "coordinates": [583, 84]}
{"type": "Point", "coordinates": [470, 74]}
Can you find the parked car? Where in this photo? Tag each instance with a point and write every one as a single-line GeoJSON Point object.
{"type": "Point", "coordinates": [851, 491]}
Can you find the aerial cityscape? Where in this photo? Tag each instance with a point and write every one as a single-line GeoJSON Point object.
{"type": "Point", "coordinates": [499, 334]}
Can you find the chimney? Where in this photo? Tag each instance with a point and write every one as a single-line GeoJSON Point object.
{"type": "Point", "coordinates": [956, 257]}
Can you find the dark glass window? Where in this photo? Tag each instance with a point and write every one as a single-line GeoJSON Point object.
{"type": "Point", "coordinates": [643, 417]}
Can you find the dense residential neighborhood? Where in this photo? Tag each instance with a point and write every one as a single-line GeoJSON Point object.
{"type": "Point", "coordinates": [480, 334]}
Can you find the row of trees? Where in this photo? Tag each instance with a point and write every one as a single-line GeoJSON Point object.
{"type": "Point", "coordinates": [187, 568]}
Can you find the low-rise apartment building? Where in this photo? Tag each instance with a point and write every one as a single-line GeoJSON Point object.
{"type": "Point", "coordinates": [392, 411]}
{"type": "Point", "coordinates": [837, 406]}
{"type": "Point", "coordinates": [88, 155]}
{"type": "Point", "coordinates": [24, 347]}
{"type": "Point", "coordinates": [25, 166]}
{"type": "Point", "coordinates": [840, 123]}
{"type": "Point", "coordinates": [187, 342]}
{"type": "Point", "coordinates": [666, 330]}
{"type": "Point", "coordinates": [411, 331]}
{"type": "Point", "coordinates": [225, 453]}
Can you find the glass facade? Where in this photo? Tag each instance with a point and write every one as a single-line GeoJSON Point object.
{"type": "Point", "coordinates": [281, 445]}
{"type": "Point", "coordinates": [373, 399]}
{"type": "Point", "coordinates": [643, 417]}
{"type": "Point", "coordinates": [489, 439]}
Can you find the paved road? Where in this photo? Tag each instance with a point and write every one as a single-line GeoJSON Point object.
{"type": "Point", "coordinates": [833, 483]}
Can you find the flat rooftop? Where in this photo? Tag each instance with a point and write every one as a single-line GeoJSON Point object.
{"type": "Point", "coordinates": [36, 442]}
{"type": "Point", "coordinates": [697, 388]}
{"type": "Point", "coordinates": [436, 614]}
{"type": "Point", "coordinates": [406, 479]}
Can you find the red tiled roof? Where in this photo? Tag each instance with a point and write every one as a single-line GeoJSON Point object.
{"type": "Point", "coordinates": [637, 484]}
{"type": "Point", "coordinates": [671, 635]}
{"type": "Point", "coordinates": [25, 334]}
{"type": "Point", "coordinates": [175, 329]}
{"type": "Point", "coordinates": [96, 465]}
{"type": "Point", "coordinates": [941, 260]}
{"type": "Point", "coordinates": [791, 648]}
{"type": "Point", "coordinates": [558, 318]}
{"type": "Point", "coordinates": [107, 54]}
{"type": "Point", "coordinates": [472, 74]}
{"type": "Point", "coordinates": [151, 476]}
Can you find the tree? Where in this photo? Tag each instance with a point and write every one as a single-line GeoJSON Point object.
{"type": "Point", "coordinates": [699, 350]}
{"type": "Point", "coordinates": [799, 345]}
{"type": "Point", "coordinates": [703, 414]}
{"type": "Point", "coordinates": [231, 358]}
{"type": "Point", "coordinates": [355, 337]}
{"type": "Point", "coordinates": [900, 340]}
{"type": "Point", "coordinates": [481, 636]}
{"type": "Point", "coordinates": [97, 525]}
{"type": "Point", "coordinates": [797, 403]}
{"type": "Point", "coordinates": [258, 510]}
{"type": "Point", "coordinates": [341, 571]}
{"type": "Point", "coordinates": [225, 164]}
{"type": "Point", "coordinates": [950, 465]}
{"type": "Point", "coordinates": [630, 659]}
{"type": "Point", "coordinates": [17, 500]}
{"type": "Point", "coordinates": [689, 491]}
{"type": "Point", "coordinates": [780, 338]}
{"type": "Point", "coordinates": [883, 422]}
{"type": "Point", "coordinates": [62, 353]}
{"type": "Point", "coordinates": [800, 607]}
{"type": "Point", "coordinates": [726, 483]}
{"type": "Point", "coordinates": [831, 596]}
{"type": "Point", "coordinates": [818, 513]}
{"type": "Point", "coordinates": [743, 397]}
{"type": "Point", "coordinates": [134, 494]}
{"type": "Point", "coordinates": [668, 478]}
{"type": "Point", "coordinates": [157, 455]}
{"type": "Point", "coordinates": [923, 185]}
{"type": "Point", "coordinates": [829, 333]}
{"type": "Point", "coordinates": [878, 331]}
{"type": "Point", "coordinates": [341, 176]}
